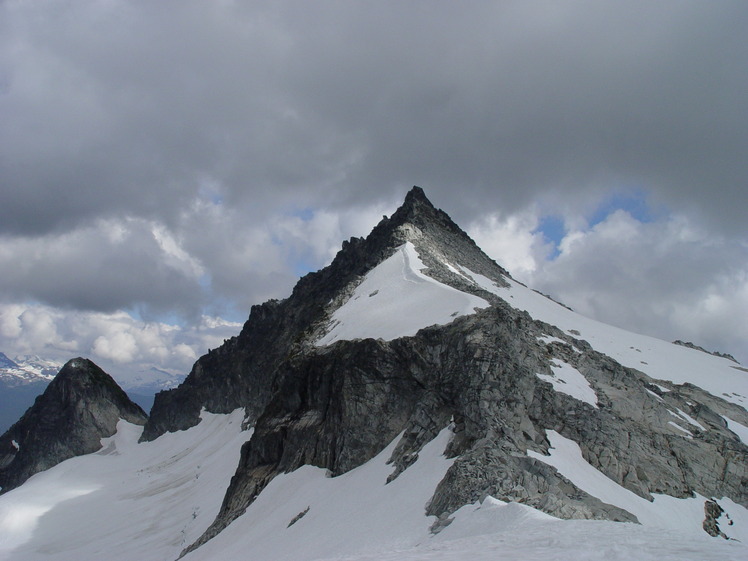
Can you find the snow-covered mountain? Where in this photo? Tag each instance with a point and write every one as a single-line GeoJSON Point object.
{"type": "Point", "coordinates": [143, 385]}
{"type": "Point", "coordinates": [412, 401]}
{"type": "Point", "coordinates": [26, 369]}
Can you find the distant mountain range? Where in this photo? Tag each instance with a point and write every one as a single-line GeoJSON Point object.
{"type": "Point", "coordinates": [21, 380]}
{"type": "Point", "coordinates": [25, 377]}
{"type": "Point", "coordinates": [27, 369]}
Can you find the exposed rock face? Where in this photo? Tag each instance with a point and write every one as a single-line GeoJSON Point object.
{"type": "Point", "coordinates": [712, 513]}
{"type": "Point", "coordinates": [341, 405]}
{"type": "Point", "coordinates": [80, 406]}
{"type": "Point", "coordinates": [243, 371]}
{"type": "Point", "coordinates": [484, 375]}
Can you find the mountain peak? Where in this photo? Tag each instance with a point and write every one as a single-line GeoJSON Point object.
{"type": "Point", "coordinates": [299, 320]}
{"type": "Point", "coordinates": [82, 405]}
{"type": "Point", "coordinates": [418, 209]}
{"type": "Point", "coordinates": [415, 358]}
{"type": "Point", "coordinates": [80, 378]}
{"type": "Point", "coordinates": [416, 196]}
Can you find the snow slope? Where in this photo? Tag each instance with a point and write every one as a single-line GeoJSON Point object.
{"type": "Point", "coordinates": [127, 501]}
{"type": "Point", "coordinates": [396, 300]}
{"type": "Point", "coordinates": [656, 358]}
{"type": "Point", "coordinates": [495, 531]}
{"type": "Point", "coordinates": [684, 515]}
{"type": "Point", "coordinates": [148, 501]}
{"type": "Point", "coordinates": [349, 514]}
{"type": "Point", "coordinates": [569, 380]}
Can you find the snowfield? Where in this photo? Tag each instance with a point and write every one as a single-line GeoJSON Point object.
{"type": "Point", "coordinates": [148, 501]}
{"type": "Point", "coordinates": [396, 300]}
{"type": "Point", "coordinates": [127, 501]}
{"type": "Point", "coordinates": [567, 379]}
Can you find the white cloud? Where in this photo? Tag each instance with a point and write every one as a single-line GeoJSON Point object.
{"type": "Point", "coordinates": [174, 254]}
{"type": "Point", "coordinates": [512, 241]}
{"type": "Point", "coordinates": [110, 264]}
{"type": "Point", "coordinates": [120, 347]}
{"type": "Point", "coordinates": [665, 278]}
{"type": "Point", "coordinates": [180, 178]}
{"type": "Point", "coordinates": [668, 278]}
{"type": "Point", "coordinates": [10, 320]}
{"type": "Point", "coordinates": [121, 344]}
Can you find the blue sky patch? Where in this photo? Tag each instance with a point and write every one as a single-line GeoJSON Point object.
{"type": "Point", "coordinates": [553, 229]}
{"type": "Point", "coordinates": [306, 214]}
{"type": "Point", "coordinates": [633, 202]}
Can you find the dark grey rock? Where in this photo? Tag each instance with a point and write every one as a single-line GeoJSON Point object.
{"type": "Point", "coordinates": [712, 514]}
{"type": "Point", "coordinates": [80, 406]}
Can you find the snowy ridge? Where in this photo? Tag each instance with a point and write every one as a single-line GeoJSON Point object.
{"type": "Point", "coordinates": [395, 299]}
{"type": "Point", "coordinates": [27, 369]}
{"type": "Point", "coordinates": [658, 359]}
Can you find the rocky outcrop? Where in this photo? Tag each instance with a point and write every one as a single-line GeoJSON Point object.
{"type": "Point", "coordinates": [80, 406]}
{"type": "Point", "coordinates": [712, 513]}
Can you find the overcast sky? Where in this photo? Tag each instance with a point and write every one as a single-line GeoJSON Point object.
{"type": "Point", "coordinates": [165, 165]}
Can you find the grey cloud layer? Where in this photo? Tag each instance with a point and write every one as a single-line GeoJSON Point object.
{"type": "Point", "coordinates": [131, 107]}
{"type": "Point", "coordinates": [254, 136]}
{"type": "Point", "coordinates": [109, 266]}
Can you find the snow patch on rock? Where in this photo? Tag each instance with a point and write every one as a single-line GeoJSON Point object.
{"type": "Point", "coordinates": [395, 299]}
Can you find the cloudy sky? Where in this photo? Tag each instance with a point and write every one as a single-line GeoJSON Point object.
{"type": "Point", "coordinates": [165, 165]}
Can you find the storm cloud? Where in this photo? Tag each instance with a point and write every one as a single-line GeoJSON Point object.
{"type": "Point", "coordinates": [178, 158]}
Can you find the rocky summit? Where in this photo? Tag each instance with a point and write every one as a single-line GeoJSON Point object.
{"type": "Point", "coordinates": [409, 392]}
{"type": "Point", "coordinates": [82, 405]}
{"type": "Point", "coordinates": [352, 361]}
